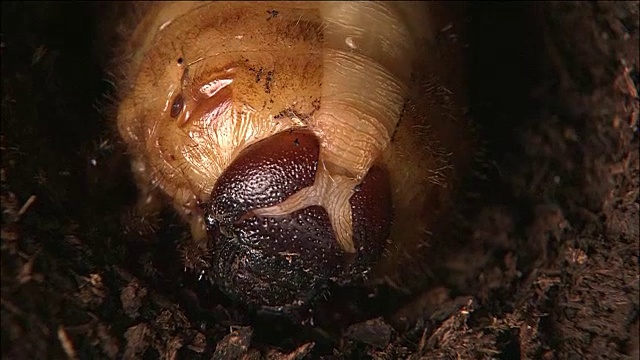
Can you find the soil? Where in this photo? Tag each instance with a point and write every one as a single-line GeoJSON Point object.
{"type": "Point", "coordinates": [544, 264]}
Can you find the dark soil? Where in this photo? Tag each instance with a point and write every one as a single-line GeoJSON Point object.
{"type": "Point", "coordinates": [546, 266]}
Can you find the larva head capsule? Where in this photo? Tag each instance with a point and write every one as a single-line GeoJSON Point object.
{"type": "Point", "coordinates": [284, 261]}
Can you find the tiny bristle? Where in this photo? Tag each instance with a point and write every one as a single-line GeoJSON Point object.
{"type": "Point", "coordinates": [140, 226]}
{"type": "Point", "coordinates": [195, 255]}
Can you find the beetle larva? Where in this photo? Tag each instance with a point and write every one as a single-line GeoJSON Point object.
{"type": "Point", "coordinates": [294, 137]}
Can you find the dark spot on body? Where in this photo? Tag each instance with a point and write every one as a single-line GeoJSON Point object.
{"type": "Point", "coordinates": [316, 104]}
{"type": "Point", "coordinates": [272, 14]}
{"type": "Point", "coordinates": [180, 60]}
{"type": "Point", "coordinates": [267, 84]}
{"type": "Point", "coordinates": [402, 115]}
{"type": "Point", "coordinates": [178, 104]}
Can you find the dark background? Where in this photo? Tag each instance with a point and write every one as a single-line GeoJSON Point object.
{"type": "Point", "coordinates": [548, 269]}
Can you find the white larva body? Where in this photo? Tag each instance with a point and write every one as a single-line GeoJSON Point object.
{"type": "Point", "coordinates": [246, 71]}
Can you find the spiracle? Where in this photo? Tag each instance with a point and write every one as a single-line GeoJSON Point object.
{"type": "Point", "coordinates": [304, 142]}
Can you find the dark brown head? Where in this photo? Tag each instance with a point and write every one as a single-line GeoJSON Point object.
{"type": "Point", "coordinates": [284, 261]}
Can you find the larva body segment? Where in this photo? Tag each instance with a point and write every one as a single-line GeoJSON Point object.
{"type": "Point", "coordinates": [291, 125]}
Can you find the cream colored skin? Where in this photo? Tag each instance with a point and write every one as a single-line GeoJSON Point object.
{"type": "Point", "coordinates": [339, 69]}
